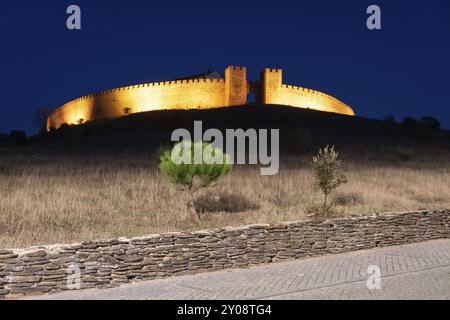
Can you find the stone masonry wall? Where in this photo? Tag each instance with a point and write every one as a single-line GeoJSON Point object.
{"type": "Point", "coordinates": [107, 263]}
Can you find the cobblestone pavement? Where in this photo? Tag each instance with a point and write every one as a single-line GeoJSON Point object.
{"type": "Point", "coordinates": [414, 271]}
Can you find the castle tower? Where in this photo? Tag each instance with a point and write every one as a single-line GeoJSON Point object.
{"type": "Point", "coordinates": [236, 87]}
{"type": "Point", "coordinates": [271, 80]}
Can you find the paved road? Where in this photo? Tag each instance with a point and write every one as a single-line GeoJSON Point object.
{"type": "Point", "coordinates": [414, 271]}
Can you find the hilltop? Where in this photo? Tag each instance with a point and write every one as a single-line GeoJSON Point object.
{"type": "Point", "coordinates": [300, 130]}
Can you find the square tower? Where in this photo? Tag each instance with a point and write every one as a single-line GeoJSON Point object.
{"type": "Point", "coordinates": [236, 87]}
{"type": "Point", "coordinates": [271, 80]}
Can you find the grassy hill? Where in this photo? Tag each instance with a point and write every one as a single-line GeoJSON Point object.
{"type": "Point", "coordinates": [300, 130]}
{"type": "Point", "coordinates": [100, 180]}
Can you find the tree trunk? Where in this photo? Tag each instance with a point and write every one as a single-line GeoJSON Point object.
{"type": "Point", "coordinates": [194, 215]}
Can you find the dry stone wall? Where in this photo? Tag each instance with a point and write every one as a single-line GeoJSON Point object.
{"type": "Point", "coordinates": [108, 263]}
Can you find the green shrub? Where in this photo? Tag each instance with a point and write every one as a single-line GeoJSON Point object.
{"type": "Point", "coordinates": [328, 172]}
{"type": "Point", "coordinates": [194, 166]}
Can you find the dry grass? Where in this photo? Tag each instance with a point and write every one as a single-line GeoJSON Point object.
{"type": "Point", "coordinates": [44, 200]}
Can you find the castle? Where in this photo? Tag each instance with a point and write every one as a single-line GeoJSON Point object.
{"type": "Point", "coordinates": [206, 91]}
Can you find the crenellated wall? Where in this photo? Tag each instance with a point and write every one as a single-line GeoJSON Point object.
{"type": "Point", "coordinates": [181, 94]}
{"type": "Point", "coordinates": [194, 94]}
{"type": "Point", "coordinates": [275, 92]}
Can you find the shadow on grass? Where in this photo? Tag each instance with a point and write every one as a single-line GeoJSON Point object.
{"type": "Point", "coordinates": [223, 202]}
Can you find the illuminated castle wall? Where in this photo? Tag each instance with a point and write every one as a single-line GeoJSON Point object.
{"type": "Point", "coordinates": [200, 93]}
{"type": "Point", "coordinates": [275, 92]}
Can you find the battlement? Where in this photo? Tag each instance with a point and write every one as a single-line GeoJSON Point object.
{"type": "Point", "coordinates": [311, 91]}
{"type": "Point", "coordinates": [237, 68]}
{"type": "Point", "coordinates": [272, 70]}
{"type": "Point", "coordinates": [293, 87]}
{"type": "Point", "coordinates": [153, 84]}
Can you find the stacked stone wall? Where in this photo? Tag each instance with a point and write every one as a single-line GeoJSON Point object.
{"type": "Point", "coordinates": [107, 263]}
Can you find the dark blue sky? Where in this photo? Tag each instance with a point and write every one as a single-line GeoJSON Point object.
{"type": "Point", "coordinates": [404, 69]}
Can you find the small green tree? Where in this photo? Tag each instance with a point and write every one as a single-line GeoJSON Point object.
{"type": "Point", "coordinates": [194, 166]}
{"type": "Point", "coordinates": [328, 172]}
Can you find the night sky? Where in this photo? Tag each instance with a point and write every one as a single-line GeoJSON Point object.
{"type": "Point", "coordinates": [403, 69]}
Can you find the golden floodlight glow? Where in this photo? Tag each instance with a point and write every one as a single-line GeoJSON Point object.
{"type": "Point", "coordinates": [196, 93]}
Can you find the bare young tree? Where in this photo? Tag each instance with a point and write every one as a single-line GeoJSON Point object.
{"type": "Point", "coordinates": [40, 118]}
{"type": "Point", "coordinates": [328, 172]}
